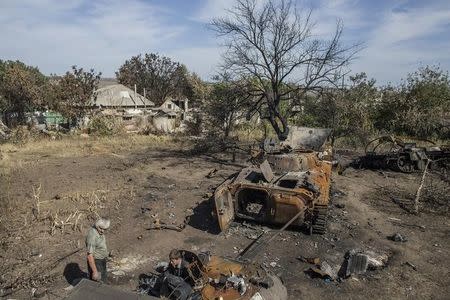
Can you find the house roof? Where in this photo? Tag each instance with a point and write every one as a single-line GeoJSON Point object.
{"type": "Point", "coordinates": [106, 82]}
{"type": "Point", "coordinates": [164, 111]}
{"type": "Point", "coordinates": [118, 95]}
{"type": "Point", "coordinates": [170, 101]}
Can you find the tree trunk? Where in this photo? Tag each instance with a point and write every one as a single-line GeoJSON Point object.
{"type": "Point", "coordinates": [21, 118]}
{"type": "Point", "coordinates": [226, 131]}
{"type": "Point", "coordinates": [283, 131]}
{"type": "Point", "coordinates": [275, 116]}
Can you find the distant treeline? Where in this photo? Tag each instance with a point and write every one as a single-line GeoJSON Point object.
{"type": "Point", "coordinates": [419, 106]}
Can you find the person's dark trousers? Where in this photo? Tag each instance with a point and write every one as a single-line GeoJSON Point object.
{"type": "Point", "coordinates": [101, 268]}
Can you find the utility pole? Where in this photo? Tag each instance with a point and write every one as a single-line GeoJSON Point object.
{"type": "Point", "coordinates": [135, 104]}
{"type": "Point", "coordinates": [145, 104]}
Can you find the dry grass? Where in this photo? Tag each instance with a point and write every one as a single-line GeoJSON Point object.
{"type": "Point", "coordinates": [79, 145]}
{"type": "Point", "coordinates": [17, 155]}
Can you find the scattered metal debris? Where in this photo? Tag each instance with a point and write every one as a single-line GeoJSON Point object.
{"type": "Point", "coordinates": [410, 265]}
{"type": "Point", "coordinates": [215, 277]}
{"type": "Point", "coordinates": [310, 260]}
{"type": "Point", "coordinates": [212, 173]}
{"type": "Point", "coordinates": [358, 262]}
{"type": "Point", "coordinates": [324, 271]}
{"type": "Point", "coordinates": [397, 237]}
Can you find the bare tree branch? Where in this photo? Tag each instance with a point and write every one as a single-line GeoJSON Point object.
{"type": "Point", "coordinates": [271, 43]}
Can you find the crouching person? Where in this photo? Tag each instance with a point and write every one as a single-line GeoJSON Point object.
{"type": "Point", "coordinates": [97, 251]}
{"type": "Point", "coordinates": [176, 282]}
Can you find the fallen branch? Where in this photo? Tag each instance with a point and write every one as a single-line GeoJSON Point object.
{"type": "Point", "coordinates": [407, 225]}
{"type": "Point", "coordinates": [158, 226]}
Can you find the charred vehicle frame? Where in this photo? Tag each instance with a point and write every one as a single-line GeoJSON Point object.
{"type": "Point", "coordinates": [285, 180]}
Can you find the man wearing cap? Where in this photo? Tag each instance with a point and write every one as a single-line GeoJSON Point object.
{"type": "Point", "coordinates": [97, 251]}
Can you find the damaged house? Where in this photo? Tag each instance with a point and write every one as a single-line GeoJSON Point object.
{"type": "Point", "coordinates": [120, 98]}
{"type": "Point", "coordinates": [170, 115]}
{"type": "Point", "coordinates": [122, 102]}
{"type": "Point", "coordinates": [137, 111]}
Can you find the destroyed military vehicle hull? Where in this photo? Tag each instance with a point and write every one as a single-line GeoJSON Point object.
{"type": "Point", "coordinates": [392, 153]}
{"type": "Point", "coordinates": [291, 182]}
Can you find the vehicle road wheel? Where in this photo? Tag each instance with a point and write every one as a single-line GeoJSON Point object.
{"type": "Point", "coordinates": [405, 165]}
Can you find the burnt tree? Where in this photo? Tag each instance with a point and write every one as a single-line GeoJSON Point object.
{"type": "Point", "coordinates": [271, 44]}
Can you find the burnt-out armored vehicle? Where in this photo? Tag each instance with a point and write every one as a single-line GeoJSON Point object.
{"type": "Point", "coordinates": [392, 153]}
{"type": "Point", "coordinates": [286, 179]}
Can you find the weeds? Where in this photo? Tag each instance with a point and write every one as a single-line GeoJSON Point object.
{"type": "Point", "coordinates": [72, 220]}
{"type": "Point", "coordinates": [37, 201]}
{"type": "Point", "coordinates": [105, 125]}
{"type": "Point", "coordinates": [435, 197]}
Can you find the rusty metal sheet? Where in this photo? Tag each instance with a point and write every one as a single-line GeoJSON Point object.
{"type": "Point", "coordinates": [307, 138]}
{"type": "Point", "coordinates": [267, 171]}
{"type": "Point", "coordinates": [224, 205]}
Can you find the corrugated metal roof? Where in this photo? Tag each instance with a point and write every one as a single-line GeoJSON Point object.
{"type": "Point", "coordinates": [118, 95]}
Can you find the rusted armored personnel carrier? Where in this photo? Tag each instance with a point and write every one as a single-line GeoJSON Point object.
{"type": "Point", "coordinates": [286, 179]}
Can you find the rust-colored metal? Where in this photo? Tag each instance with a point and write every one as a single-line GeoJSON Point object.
{"type": "Point", "coordinates": [213, 276]}
{"type": "Point", "coordinates": [218, 267]}
{"type": "Point", "coordinates": [302, 183]}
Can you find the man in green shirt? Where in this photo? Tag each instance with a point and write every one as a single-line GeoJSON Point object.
{"type": "Point", "coordinates": [97, 252]}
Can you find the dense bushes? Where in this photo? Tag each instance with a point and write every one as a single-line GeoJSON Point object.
{"type": "Point", "coordinates": [418, 107]}
{"type": "Point", "coordinates": [105, 125]}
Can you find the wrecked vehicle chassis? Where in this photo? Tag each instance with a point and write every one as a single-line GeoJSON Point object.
{"type": "Point", "coordinates": [302, 184]}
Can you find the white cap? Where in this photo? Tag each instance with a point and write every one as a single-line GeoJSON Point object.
{"type": "Point", "coordinates": [102, 223]}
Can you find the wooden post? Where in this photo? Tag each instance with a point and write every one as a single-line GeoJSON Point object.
{"type": "Point", "coordinates": [419, 190]}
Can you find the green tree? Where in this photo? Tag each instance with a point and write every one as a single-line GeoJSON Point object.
{"type": "Point", "coordinates": [196, 89]}
{"type": "Point", "coordinates": [158, 75]}
{"type": "Point", "coordinates": [22, 89]}
{"type": "Point", "coordinates": [347, 110]}
{"type": "Point", "coordinates": [418, 106]}
{"type": "Point", "coordinates": [227, 102]}
{"type": "Point", "coordinates": [73, 93]}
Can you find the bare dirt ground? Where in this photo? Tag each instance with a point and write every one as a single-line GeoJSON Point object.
{"type": "Point", "coordinates": [51, 194]}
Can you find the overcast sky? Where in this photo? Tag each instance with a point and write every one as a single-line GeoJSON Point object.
{"type": "Point", "coordinates": [399, 36]}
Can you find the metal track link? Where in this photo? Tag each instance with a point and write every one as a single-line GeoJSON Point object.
{"type": "Point", "coordinates": [319, 221]}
